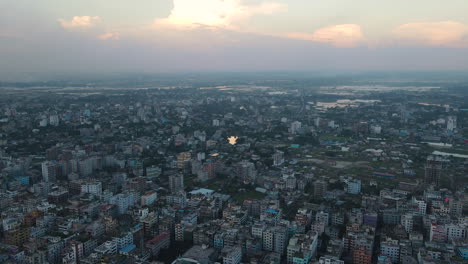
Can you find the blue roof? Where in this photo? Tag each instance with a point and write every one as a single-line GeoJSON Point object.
{"type": "Point", "coordinates": [464, 250]}
{"type": "Point", "coordinates": [128, 248]}
{"type": "Point", "coordinates": [271, 211]}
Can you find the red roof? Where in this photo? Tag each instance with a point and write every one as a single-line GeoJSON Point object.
{"type": "Point", "coordinates": [158, 238]}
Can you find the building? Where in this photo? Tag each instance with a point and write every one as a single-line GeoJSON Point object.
{"type": "Point", "coordinates": [123, 201]}
{"type": "Point", "coordinates": [435, 167]}
{"type": "Point", "coordinates": [148, 198]}
{"type": "Point", "coordinates": [94, 188]}
{"type": "Point", "coordinates": [451, 124]}
{"type": "Point", "coordinates": [456, 207]}
{"type": "Point", "coordinates": [322, 217]}
{"type": "Point", "coordinates": [330, 260]}
{"type": "Point", "coordinates": [246, 171]}
{"type": "Point", "coordinates": [362, 256]}
{"type": "Point", "coordinates": [407, 222]}
{"type": "Point", "coordinates": [391, 249]}
{"type": "Point", "coordinates": [437, 233]}
{"type": "Point", "coordinates": [278, 158]}
{"type": "Point", "coordinates": [176, 182]}
{"type": "Point", "coordinates": [232, 255]}
{"type": "Point", "coordinates": [295, 127]}
{"type": "Point", "coordinates": [456, 231]}
{"type": "Point", "coordinates": [463, 252]}
{"type": "Point", "coordinates": [183, 159]}
{"type": "Point", "coordinates": [275, 239]}
{"type": "Point", "coordinates": [353, 186]}
{"type": "Point", "coordinates": [302, 248]}
{"type": "Point", "coordinates": [49, 171]}
{"type": "Point", "coordinates": [198, 254]}
{"type": "Point", "coordinates": [320, 187]}
{"type": "Point", "coordinates": [157, 243]}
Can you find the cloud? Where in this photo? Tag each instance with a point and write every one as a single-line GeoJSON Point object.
{"type": "Point", "coordinates": [443, 33]}
{"type": "Point", "coordinates": [80, 22]}
{"type": "Point", "coordinates": [189, 14]}
{"type": "Point", "coordinates": [109, 36]}
{"type": "Point", "coordinates": [345, 35]}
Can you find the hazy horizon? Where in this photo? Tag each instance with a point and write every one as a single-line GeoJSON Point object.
{"type": "Point", "coordinates": [165, 36]}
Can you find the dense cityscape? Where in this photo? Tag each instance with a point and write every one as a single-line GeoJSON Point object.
{"type": "Point", "coordinates": [263, 170]}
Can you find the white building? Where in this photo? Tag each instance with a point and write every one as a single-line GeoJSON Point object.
{"type": "Point", "coordinates": [376, 129]}
{"type": "Point", "coordinates": [94, 188]}
{"type": "Point", "coordinates": [422, 206]}
{"type": "Point", "coordinates": [232, 254]}
{"type": "Point", "coordinates": [407, 222]}
{"type": "Point", "coordinates": [153, 172]}
{"type": "Point", "coordinates": [54, 120]}
{"type": "Point", "coordinates": [353, 186]}
{"type": "Point", "coordinates": [451, 123]}
{"type": "Point", "coordinates": [201, 156]}
{"type": "Point", "coordinates": [148, 198]}
{"type": "Point", "coordinates": [456, 231]}
{"type": "Point", "coordinates": [330, 260]}
{"type": "Point", "coordinates": [257, 230]}
{"type": "Point", "coordinates": [391, 249]}
{"type": "Point", "coordinates": [322, 217]}
{"type": "Point", "coordinates": [108, 247]}
{"type": "Point", "coordinates": [295, 126]}
{"type": "Point", "coordinates": [123, 201]}
{"type": "Point", "coordinates": [49, 171]}
{"type": "Point", "coordinates": [278, 158]}
{"type": "Point", "coordinates": [123, 241]}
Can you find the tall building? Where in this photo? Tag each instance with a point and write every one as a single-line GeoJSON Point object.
{"type": "Point", "coordinates": [182, 159]}
{"type": "Point", "coordinates": [437, 233]}
{"type": "Point", "coordinates": [320, 187]}
{"type": "Point", "coordinates": [278, 158]}
{"type": "Point", "coordinates": [148, 198]}
{"type": "Point", "coordinates": [434, 169]}
{"type": "Point", "coordinates": [391, 249]}
{"type": "Point", "coordinates": [302, 248]}
{"type": "Point", "coordinates": [91, 188]}
{"type": "Point", "coordinates": [246, 171]}
{"type": "Point", "coordinates": [232, 255]}
{"type": "Point", "coordinates": [322, 217]}
{"type": "Point", "coordinates": [456, 231]}
{"type": "Point", "coordinates": [353, 186]}
{"type": "Point", "coordinates": [451, 123]}
{"type": "Point", "coordinates": [49, 171]}
{"type": "Point", "coordinates": [54, 120]}
{"type": "Point", "coordinates": [275, 239]}
{"type": "Point", "coordinates": [456, 207]}
{"type": "Point", "coordinates": [123, 201]}
{"type": "Point", "coordinates": [362, 256]}
{"type": "Point", "coordinates": [295, 126]}
{"type": "Point", "coordinates": [407, 222]}
{"type": "Point", "coordinates": [176, 182]}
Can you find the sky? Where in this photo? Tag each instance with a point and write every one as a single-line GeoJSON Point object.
{"type": "Point", "coordinates": [94, 36]}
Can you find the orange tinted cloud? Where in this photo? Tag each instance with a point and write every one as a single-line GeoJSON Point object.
{"type": "Point", "coordinates": [110, 36]}
{"type": "Point", "coordinates": [80, 22]}
{"type": "Point", "coordinates": [188, 14]}
{"type": "Point", "coordinates": [443, 33]}
{"type": "Point", "coordinates": [345, 35]}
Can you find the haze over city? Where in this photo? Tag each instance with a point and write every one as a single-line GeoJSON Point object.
{"type": "Point", "coordinates": [233, 132]}
{"type": "Point", "coordinates": [89, 36]}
